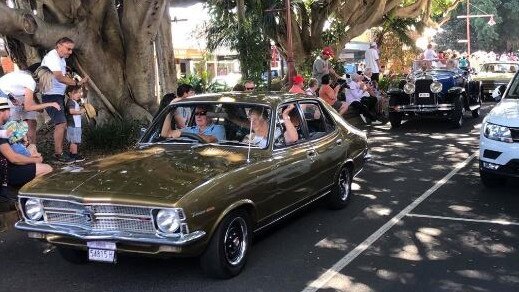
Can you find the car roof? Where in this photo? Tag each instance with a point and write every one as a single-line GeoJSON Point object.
{"type": "Point", "coordinates": [271, 99]}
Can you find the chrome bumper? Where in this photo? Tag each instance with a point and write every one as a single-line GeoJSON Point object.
{"type": "Point", "coordinates": [176, 240]}
{"type": "Point", "coordinates": [422, 108]}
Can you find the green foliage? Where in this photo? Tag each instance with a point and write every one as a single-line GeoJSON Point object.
{"type": "Point", "coordinates": [248, 38]}
{"type": "Point", "coordinates": [198, 82]}
{"type": "Point", "coordinates": [112, 137]}
{"type": "Point", "coordinates": [504, 36]}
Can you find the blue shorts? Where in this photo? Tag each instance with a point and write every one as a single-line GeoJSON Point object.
{"type": "Point", "coordinates": [56, 116]}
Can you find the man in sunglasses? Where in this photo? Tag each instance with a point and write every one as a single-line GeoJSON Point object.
{"type": "Point", "coordinates": [203, 127]}
{"type": "Point", "coordinates": [249, 85]}
{"type": "Point", "coordinates": [55, 61]}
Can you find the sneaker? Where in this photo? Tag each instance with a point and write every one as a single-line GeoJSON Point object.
{"type": "Point", "coordinates": [77, 157]}
{"type": "Point", "coordinates": [63, 158]}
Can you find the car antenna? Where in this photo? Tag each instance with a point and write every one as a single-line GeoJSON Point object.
{"type": "Point", "coordinates": [250, 139]}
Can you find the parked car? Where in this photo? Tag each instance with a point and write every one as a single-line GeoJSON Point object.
{"type": "Point", "coordinates": [184, 196]}
{"type": "Point", "coordinates": [434, 92]}
{"type": "Point", "coordinates": [499, 139]}
{"type": "Point", "coordinates": [493, 75]}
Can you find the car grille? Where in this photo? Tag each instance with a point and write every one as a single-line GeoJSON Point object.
{"type": "Point", "coordinates": [99, 218]}
{"type": "Point", "coordinates": [424, 86]}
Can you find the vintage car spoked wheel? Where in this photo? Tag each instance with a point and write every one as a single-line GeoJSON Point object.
{"type": "Point", "coordinates": [74, 256]}
{"type": "Point", "coordinates": [341, 192]}
{"type": "Point", "coordinates": [458, 113]}
{"type": "Point", "coordinates": [193, 136]}
{"type": "Point", "coordinates": [395, 119]}
{"type": "Point", "coordinates": [227, 252]}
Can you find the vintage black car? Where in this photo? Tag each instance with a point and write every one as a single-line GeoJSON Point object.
{"type": "Point", "coordinates": [435, 92]}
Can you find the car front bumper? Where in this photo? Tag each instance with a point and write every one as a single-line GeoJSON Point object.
{"type": "Point", "coordinates": [86, 235]}
{"type": "Point", "coordinates": [422, 108]}
{"type": "Point", "coordinates": [498, 157]}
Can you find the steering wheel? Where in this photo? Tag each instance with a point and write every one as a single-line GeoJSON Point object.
{"type": "Point", "coordinates": [193, 136]}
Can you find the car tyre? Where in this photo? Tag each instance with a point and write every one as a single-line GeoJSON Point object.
{"type": "Point", "coordinates": [458, 113]}
{"type": "Point", "coordinates": [227, 251]}
{"type": "Point", "coordinates": [74, 256]}
{"type": "Point", "coordinates": [341, 191]}
{"type": "Point", "coordinates": [395, 119]}
{"type": "Point", "coordinates": [491, 180]}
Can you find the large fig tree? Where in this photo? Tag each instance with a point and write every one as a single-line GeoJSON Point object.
{"type": "Point", "coordinates": [124, 46]}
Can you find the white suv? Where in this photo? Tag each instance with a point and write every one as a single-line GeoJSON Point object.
{"type": "Point", "coordinates": [499, 139]}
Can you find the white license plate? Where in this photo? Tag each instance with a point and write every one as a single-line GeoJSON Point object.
{"type": "Point", "coordinates": [101, 255]}
{"type": "Point", "coordinates": [424, 95]}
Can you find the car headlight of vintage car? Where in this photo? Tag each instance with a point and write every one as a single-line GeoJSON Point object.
{"type": "Point", "coordinates": [409, 88]}
{"type": "Point", "coordinates": [436, 87]}
{"type": "Point", "coordinates": [33, 209]}
{"type": "Point", "coordinates": [169, 220]}
{"type": "Point", "coordinates": [498, 133]}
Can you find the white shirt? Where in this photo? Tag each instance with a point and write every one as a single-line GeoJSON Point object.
{"type": "Point", "coordinates": [355, 93]}
{"type": "Point", "coordinates": [53, 61]}
{"type": "Point", "coordinates": [16, 82]}
{"type": "Point", "coordinates": [371, 56]}
{"type": "Point", "coordinates": [429, 55]}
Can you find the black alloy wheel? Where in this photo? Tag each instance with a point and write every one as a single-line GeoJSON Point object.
{"type": "Point", "coordinates": [227, 251]}
{"type": "Point", "coordinates": [341, 192]}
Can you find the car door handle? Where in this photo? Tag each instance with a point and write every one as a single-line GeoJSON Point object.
{"type": "Point", "coordinates": [338, 142]}
{"type": "Point", "coordinates": [311, 153]}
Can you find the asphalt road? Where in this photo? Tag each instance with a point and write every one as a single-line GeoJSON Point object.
{"type": "Point", "coordinates": [420, 220]}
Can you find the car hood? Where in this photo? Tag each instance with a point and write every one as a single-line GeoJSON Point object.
{"type": "Point", "coordinates": [140, 174]}
{"type": "Point", "coordinates": [505, 113]}
{"type": "Point", "coordinates": [493, 76]}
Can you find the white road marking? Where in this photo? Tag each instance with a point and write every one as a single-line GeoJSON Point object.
{"type": "Point", "coordinates": [342, 263]}
{"type": "Point", "coordinates": [497, 221]}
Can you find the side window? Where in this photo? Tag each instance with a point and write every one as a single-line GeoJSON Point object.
{"type": "Point", "coordinates": [318, 121]}
{"type": "Point", "coordinates": [289, 125]}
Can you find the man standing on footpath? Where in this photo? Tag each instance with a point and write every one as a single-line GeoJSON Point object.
{"type": "Point", "coordinates": [55, 61]}
{"type": "Point", "coordinates": [322, 65]}
{"type": "Point", "coordinates": [373, 61]}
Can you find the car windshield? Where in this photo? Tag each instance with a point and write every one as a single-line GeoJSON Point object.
{"type": "Point", "coordinates": [216, 123]}
{"type": "Point", "coordinates": [499, 68]}
{"type": "Point", "coordinates": [513, 93]}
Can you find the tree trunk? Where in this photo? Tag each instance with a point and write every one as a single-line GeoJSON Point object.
{"type": "Point", "coordinates": [114, 46]}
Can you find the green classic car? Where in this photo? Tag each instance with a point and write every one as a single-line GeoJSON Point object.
{"type": "Point", "coordinates": [202, 190]}
{"type": "Point", "coordinates": [493, 75]}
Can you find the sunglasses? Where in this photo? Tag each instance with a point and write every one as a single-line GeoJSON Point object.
{"type": "Point", "coordinates": [201, 114]}
{"type": "Point", "coordinates": [249, 88]}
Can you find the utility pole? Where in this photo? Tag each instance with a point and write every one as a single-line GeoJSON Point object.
{"type": "Point", "coordinates": [290, 47]}
{"type": "Point", "coordinates": [468, 29]}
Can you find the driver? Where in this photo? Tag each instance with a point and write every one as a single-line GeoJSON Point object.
{"type": "Point", "coordinates": [203, 127]}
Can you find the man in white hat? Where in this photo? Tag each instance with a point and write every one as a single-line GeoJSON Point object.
{"type": "Point", "coordinates": [16, 169]}
{"type": "Point", "coordinates": [372, 60]}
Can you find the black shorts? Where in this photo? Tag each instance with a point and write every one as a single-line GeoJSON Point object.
{"type": "Point", "coordinates": [56, 116]}
{"type": "Point", "coordinates": [18, 175]}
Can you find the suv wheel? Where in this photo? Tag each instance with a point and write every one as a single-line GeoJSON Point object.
{"type": "Point", "coordinates": [491, 180]}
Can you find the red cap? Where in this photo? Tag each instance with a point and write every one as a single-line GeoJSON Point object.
{"type": "Point", "coordinates": [298, 79]}
{"type": "Point", "coordinates": [327, 51]}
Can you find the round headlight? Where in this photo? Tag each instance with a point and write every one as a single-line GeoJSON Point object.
{"type": "Point", "coordinates": [34, 209]}
{"type": "Point", "coordinates": [409, 88]}
{"type": "Point", "coordinates": [410, 78]}
{"type": "Point", "coordinates": [168, 221]}
{"type": "Point", "coordinates": [436, 87]}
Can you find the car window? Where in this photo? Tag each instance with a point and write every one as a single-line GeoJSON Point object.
{"type": "Point", "coordinates": [226, 124]}
{"type": "Point", "coordinates": [318, 121]}
{"type": "Point", "coordinates": [290, 126]}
